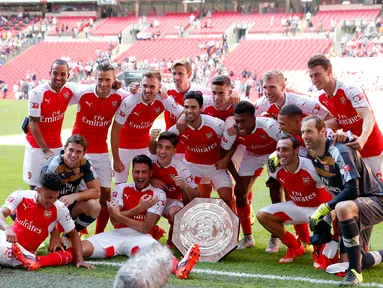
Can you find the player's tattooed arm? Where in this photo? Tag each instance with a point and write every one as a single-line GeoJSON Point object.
{"type": "Point", "coordinates": [36, 133]}
{"type": "Point", "coordinates": [150, 221]}
{"type": "Point", "coordinates": [145, 226]}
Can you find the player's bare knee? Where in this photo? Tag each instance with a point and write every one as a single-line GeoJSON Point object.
{"type": "Point", "coordinates": [344, 210]}
{"type": "Point", "coordinates": [87, 248]}
{"type": "Point", "coordinates": [92, 208]}
{"type": "Point", "coordinates": [262, 216]}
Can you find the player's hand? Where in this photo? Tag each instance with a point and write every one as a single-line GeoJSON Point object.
{"type": "Point", "coordinates": [158, 184]}
{"type": "Point", "coordinates": [48, 154]}
{"type": "Point", "coordinates": [181, 123]}
{"type": "Point", "coordinates": [118, 166]}
{"type": "Point", "coordinates": [54, 245]}
{"type": "Point", "coordinates": [117, 84]}
{"type": "Point", "coordinates": [340, 137]}
{"type": "Point", "coordinates": [147, 201]}
{"type": "Point", "coordinates": [154, 133]}
{"type": "Point", "coordinates": [356, 142]}
{"type": "Point", "coordinates": [235, 97]}
{"type": "Point", "coordinates": [318, 215]}
{"type": "Point", "coordinates": [180, 182]}
{"type": "Point", "coordinates": [222, 163]}
{"type": "Point", "coordinates": [68, 199]}
{"type": "Point", "coordinates": [113, 208]}
{"type": "Point", "coordinates": [10, 236]}
{"type": "Point", "coordinates": [82, 264]}
{"type": "Point", "coordinates": [134, 87]}
{"type": "Point", "coordinates": [55, 242]}
{"type": "Point", "coordinates": [163, 92]}
{"type": "Point", "coordinates": [273, 162]}
{"type": "Point", "coordinates": [232, 130]}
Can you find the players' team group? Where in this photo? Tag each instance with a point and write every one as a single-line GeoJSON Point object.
{"type": "Point", "coordinates": [324, 154]}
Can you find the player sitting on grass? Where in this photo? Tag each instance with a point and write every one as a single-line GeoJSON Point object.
{"type": "Point", "coordinates": [172, 176]}
{"type": "Point", "coordinates": [37, 213]}
{"type": "Point", "coordinates": [304, 189]}
{"type": "Point", "coordinates": [134, 211]}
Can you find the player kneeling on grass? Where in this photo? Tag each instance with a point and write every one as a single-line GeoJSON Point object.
{"type": "Point", "coordinates": [358, 203]}
{"type": "Point", "coordinates": [37, 213]}
{"type": "Point", "coordinates": [172, 176]}
{"type": "Point", "coordinates": [134, 211]}
{"type": "Point", "coordinates": [303, 186]}
{"type": "Point", "coordinates": [73, 168]}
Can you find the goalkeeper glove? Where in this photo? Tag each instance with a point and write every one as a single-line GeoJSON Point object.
{"type": "Point", "coordinates": [318, 215]}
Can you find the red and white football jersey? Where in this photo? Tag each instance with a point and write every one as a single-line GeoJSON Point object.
{"type": "Point", "coordinates": [262, 140]}
{"type": "Point", "coordinates": [202, 144]}
{"type": "Point", "coordinates": [50, 106]}
{"type": "Point", "coordinates": [309, 106]}
{"type": "Point", "coordinates": [33, 222]}
{"type": "Point", "coordinates": [138, 118]}
{"type": "Point", "coordinates": [126, 196]}
{"type": "Point", "coordinates": [171, 119]}
{"type": "Point", "coordinates": [167, 174]}
{"type": "Point", "coordinates": [209, 108]}
{"type": "Point", "coordinates": [304, 187]}
{"type": "Point", "coordinates": [347, 98]}
{"type": "Point", "coordinates": [94, 116]}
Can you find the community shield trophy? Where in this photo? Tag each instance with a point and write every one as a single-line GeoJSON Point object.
{"type": "Point", "coordinates": [211, 224]}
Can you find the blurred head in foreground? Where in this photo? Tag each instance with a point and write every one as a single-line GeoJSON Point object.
{"type": "Point", "coordinates": [149, 268]}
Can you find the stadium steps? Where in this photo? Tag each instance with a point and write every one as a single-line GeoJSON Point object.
{"type": "Point", "coordinates": [120, 49]}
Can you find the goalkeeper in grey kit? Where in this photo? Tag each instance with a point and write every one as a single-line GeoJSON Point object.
{"type": "Point", "coordinates": [358, 201]}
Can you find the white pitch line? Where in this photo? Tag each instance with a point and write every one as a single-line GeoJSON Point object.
{"type": "Point", "coordinates": [249, 275]}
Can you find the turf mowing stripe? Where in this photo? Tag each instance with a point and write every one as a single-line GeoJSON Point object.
{"type": "Point", "coordinates": [248, 275]}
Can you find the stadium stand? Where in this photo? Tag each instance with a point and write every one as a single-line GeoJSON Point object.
{"type": "Point", "coordinates": [112, 26]}
{"type": "Point", "coordinates": [163, 48]}
{"type": "Point", "coordinates": [262, 55]}
{"type": "Point", "coordinates": [13, 24]}
{"type": "Point", "coordinates": [39, 58]}
{"type": "Point", "coordinates": [325, 17]}
{"type": "Point", "coordinates": [168, 25]}
{"type": "Point", "coordinates": [71, 22]}
{"type": "Point", "coordinates": [270, 23]}
{"type": "Point", "coordinates": [221, 21]}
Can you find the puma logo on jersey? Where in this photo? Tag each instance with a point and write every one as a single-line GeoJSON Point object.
{"type": "Point", "coordinates": [48, 100]}
{"type": "Point", "coordinates": [186, 137]}
{"type": "Point", "coordinates": [25, 206]}
{"type": "Point", "coordinates": [126, 196]}
{"type": "Point", "coordinates": [283, 181]}
{"type": "Point", "coordinates": [136, 113]}
{"type": "Point", "coordinates": [88, 103]}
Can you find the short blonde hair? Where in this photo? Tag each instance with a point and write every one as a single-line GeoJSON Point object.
{"type": "Point", "coordinates": [153, 74]}
{"type": "Point", "coordinates": [278, 74]}
{"type": "Point", "coordinates": [182, 62]}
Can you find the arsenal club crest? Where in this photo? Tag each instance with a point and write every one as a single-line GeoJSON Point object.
{"type": "Point", "coordinates": [343, 100]}
{"type": "Point", "coordinates": [209, 135]}
{"type": "Point", "coordinates": [29, 175]}
{"type": "Point", "coordinates": [326, 168]}
{"type": "Point", "coordinates": [47, 213]}
{"type": "Point", "coordinates": [66, 94]}
{"type": "Point", "coordinates": [306, 180]}
{"type": "Point", "coordinates": [114, 103]}
{"type": "Point", "coordinates": [157, 110]}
